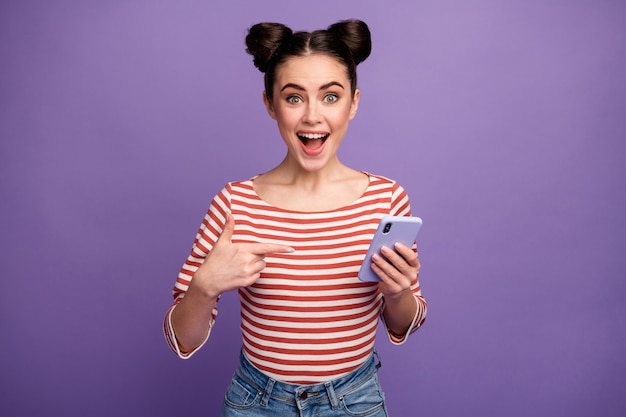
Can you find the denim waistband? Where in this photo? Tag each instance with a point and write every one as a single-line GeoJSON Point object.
{"type": "Point", "coordinates": [330, 390]}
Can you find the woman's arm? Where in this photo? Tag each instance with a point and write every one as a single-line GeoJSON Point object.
{"type": "Point", "coordinates": [192, 319]}
{"type": "Point", "coordinates": [228, 266]}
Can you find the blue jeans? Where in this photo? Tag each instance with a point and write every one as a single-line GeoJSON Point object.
{"type": "Point", "coordinates": [252, 393]}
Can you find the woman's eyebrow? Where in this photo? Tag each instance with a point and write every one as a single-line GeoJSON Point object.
{"type": "Point", "coordinates": [330, 84]}
{"type": "Point", "coordinates": [292, 85]}
{"type": "Point", "coordinates": [323, 87]}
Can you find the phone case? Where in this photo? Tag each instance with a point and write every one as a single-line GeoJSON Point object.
{"type": "Point", "coordinates": [391, 229]}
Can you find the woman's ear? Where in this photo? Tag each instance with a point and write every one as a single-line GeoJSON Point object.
{"type": "Point", "coordinates": [355, 103]}
{"type": "Point", "coordinates": [269, 106]}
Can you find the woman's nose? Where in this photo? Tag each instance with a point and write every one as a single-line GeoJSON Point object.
{"type": "Point", "coordinates": [311, 114]}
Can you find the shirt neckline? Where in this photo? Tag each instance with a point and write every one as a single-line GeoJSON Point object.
{"type": "Point", "coordinates": [284, 210]}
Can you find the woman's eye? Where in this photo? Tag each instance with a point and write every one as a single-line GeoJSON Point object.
{"type": "Point", "coordinates": [294, 100]}
{"type": "Point", "coordinates": [330, 98]}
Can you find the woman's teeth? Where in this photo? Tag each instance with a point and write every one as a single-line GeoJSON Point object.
{"type": "Point", "coordinates": [312, 136]}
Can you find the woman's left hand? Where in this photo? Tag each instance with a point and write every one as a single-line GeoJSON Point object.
{"type": "Point", "coordinates": [397, 268]}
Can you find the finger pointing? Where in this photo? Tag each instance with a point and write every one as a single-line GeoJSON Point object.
{"type": "Point", "coordinates": [267, 248]}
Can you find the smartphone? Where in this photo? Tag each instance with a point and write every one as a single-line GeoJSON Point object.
{"type": "Point", "coordinates": [391, 230]}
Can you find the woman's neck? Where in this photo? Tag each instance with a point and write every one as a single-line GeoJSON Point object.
{"type": "Point", "coordinates": [292, 188]}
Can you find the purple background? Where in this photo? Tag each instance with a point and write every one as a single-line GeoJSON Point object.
{"type": "Point", "coordinates": [505, 121]}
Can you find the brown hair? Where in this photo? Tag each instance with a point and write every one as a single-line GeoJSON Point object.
{"type": "Point", "coordinates": [271, 44]}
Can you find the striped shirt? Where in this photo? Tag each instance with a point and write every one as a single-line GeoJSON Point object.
{"type": "Point", "coordinates": [308, 318]}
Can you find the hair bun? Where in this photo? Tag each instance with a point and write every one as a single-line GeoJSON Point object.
{"type": "Point", "coordinates": [356, 35]}
{"type": "Point", "coordinates": [263, 39]}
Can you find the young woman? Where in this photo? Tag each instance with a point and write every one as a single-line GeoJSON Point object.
{"type": "Point", "coordinates": [292, 240]}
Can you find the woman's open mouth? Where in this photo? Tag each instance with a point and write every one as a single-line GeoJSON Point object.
{"type": "Point", "coordinates": [313, 141]}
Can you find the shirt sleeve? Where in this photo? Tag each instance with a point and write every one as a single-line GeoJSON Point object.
{"type": "Point", "coordinates": [208, 233]}
{"type": "Point", "coordinates": [401, 206]}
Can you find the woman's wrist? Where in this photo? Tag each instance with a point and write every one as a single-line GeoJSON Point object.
{"type": "Point", "coordinates": [399, 312]}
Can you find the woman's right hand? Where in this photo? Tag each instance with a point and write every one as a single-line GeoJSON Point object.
{"type": "Point", "coordinates": [227, 267]}
{"type": "Point", "coordinates": [230, 266]}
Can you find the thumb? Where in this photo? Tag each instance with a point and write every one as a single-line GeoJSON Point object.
{"type": "Point", "coordinates": [229, 228]}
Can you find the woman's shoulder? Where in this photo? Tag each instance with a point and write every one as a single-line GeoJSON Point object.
{"type": "Point", "coordinates": [240, 184]}
{"type": "Point", "coordinates": [237, 187]}
{"type": "Point", "coordinates": [247, 183]}
{"type": "Point", "coordinates": [381, 180]}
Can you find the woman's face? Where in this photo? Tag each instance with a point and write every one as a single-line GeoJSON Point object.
{"type": "Point", "coordinates": [312, 104]}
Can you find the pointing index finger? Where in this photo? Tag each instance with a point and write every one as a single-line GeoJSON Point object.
{"type": "Point", "coordinates": [267, 248]}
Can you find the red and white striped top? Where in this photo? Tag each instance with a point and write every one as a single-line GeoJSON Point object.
{"type": "Point", "coordinates": [308, 319]}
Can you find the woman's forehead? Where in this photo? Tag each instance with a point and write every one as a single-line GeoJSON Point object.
{"type": "Point", "coordinates": [314, 67]}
